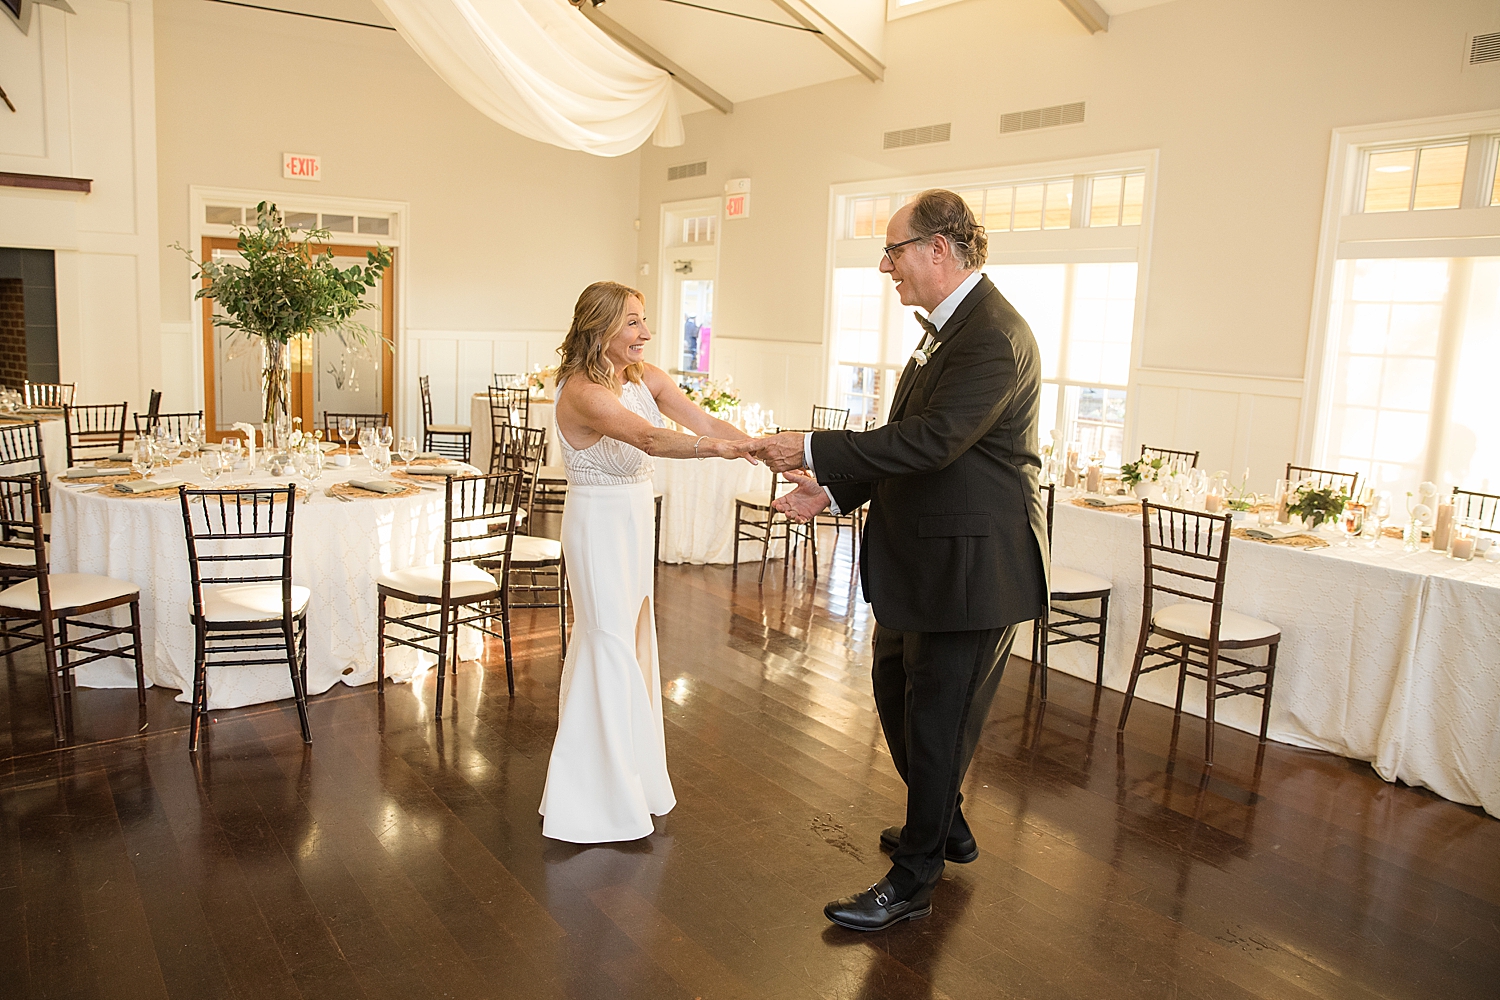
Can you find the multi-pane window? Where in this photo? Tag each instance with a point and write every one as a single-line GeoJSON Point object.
{"type": "Point", "coordinates": [874, 335]}
{"type": "Point", "coordinates": [1116, 200]}
{"type": "Point", "coordinates": [1415, 178]}
{"type": "Point", "coordinates": [1020, 208]}
{"type": "Point", "coordinates": [698, 229]}
{"type": "Point", "coordinates": [1495, 172]}
{"type": "Point", "coordinates": [1083, 317]}
{"type": "Point", "coordinates": [867, 218]}
{"type": "Point", "coordinates": [1418, 341]}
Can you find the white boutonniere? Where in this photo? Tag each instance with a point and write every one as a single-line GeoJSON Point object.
{"type": "Point", "coordinates": [923, 355]}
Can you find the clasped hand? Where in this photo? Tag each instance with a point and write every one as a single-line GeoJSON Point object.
{"type": "Point", "coordinates": [781, 452]}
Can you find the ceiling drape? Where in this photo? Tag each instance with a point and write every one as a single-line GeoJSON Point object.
{"type": "Point", "coordinates": [539, 68]}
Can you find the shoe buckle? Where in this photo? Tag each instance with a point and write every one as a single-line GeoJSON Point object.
{"type": "Point", "coordinates": [880, 897]}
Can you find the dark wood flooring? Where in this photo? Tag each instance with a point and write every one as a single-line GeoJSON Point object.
{"type": "Point", "coordinates": [400, 858]}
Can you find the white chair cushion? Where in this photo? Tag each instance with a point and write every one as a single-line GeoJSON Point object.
{"type": "Point", "coordinates": [448, 428]}
{"type": "Point", "coordinates": [249, 602]}
{"type": "Point", "coordinates": [67, 590]}
{"type": "Point", "coordinates": [427, 581]}
{"type": "Point", "coordinates": [18, 557]}
{"type": "Point", "coordinates": [1074, 581]}
{"type": "Point", "coordinates": [1190, 618]}
{"type": "Point", "coordinates": [534, 549]}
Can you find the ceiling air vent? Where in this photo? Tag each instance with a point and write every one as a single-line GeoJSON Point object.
{"type": "Point", "coordinates": [1025, 121]}
{"type": "Point", "coordinates": [684, 170]}
{"type": "Point", "coordinates": [921, 136]}
{"type": "Point", "coordinates": [1484, 48]}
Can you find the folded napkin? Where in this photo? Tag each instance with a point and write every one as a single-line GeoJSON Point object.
{"type": "Point", "coordinates": [118, 456]}
{"type": "Point", "coordinates": [149, 485]}
{"type": "Point", "coordinates": [1275, 532]}
{"type": "Point", "coordinates": [377, 485]}
{"type": "Point", "coordinates": [87, 472]}
{"type": "Point", "coordinates": [1097, 500]}
{"type": "Point", "coordinates": [450, 469]}
{"type": "Point", "coordinates": [426, 454]}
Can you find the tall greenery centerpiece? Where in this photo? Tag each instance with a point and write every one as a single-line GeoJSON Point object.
{"type": "Point", "coordinates": [285, 290]}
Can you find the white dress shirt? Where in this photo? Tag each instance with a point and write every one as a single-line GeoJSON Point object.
{"type": "Point", "coordinates": [938, 318]}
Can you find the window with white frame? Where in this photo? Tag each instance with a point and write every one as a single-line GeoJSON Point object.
{"type": "Point", "coordinates": [1412, 334]}
{"type": "Point", "coordinates": [1077, 291]}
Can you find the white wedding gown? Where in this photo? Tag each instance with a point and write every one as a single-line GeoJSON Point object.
{"type": "Point", "coordinates": [608, 772]}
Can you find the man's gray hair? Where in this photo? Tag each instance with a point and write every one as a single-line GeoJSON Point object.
{"type": "Point", "coordinates": [937, 212]}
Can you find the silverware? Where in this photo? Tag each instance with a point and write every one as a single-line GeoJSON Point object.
{"type": "Point", "coordinates": [85, 489]}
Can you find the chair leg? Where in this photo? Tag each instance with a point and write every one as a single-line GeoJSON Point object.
{"type": "Point", "coordinates": [380, 644]}
{"type": "Point", "coordinates": [135, 636]}
{"type": "Point", "coordinates": [294, 667]}
{"type": "Point", "coordinates": [1103, 629]}
{"type": "Point", "coordinates": [1265, 709]}
{"type": "Point", "coordinates": [734, 571]}
{"type": "Point", "coordinates": [1182, 652]}
{"type": "Point", "coordinates": [442, 654]}
{"type": "Point", "coordinates": [49, 645]}
{"type": "Point", "coordinates": [812, 542]}
{"type": "Point", "coordinates": [765, 551]}
{"type": "Point", "coordinates": [65, 674]}
{"type": "Point", "coordinates": [510, 673]}
{"type": "Point", "coordinates": [1135, 674]}
{"type": "Point", "coordinates": [1208, 708]}
{"type": "Point", "coordinates": [1045, 661]}
{"type": "Point", "coordinates": [200, 682]}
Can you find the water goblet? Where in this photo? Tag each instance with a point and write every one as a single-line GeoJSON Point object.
{"type": "Point", "coordinates": [312, 465]}
{"type": "Point", "coordinates": [346, 431]}
{"type": "Point", "coordinates": [407, 449]}
{"type": "Point", "coordinates": [144, 458]}
{"type": "Point", "coordinates": [385, 436]}
{"type": "Point", "coordinates": [380, 458]}
{"type": "Point", "coordinates": [170, 447]}
{"type": "Point", "coordinates": [1353, 522]}
{"type": "Point", "coordinates": [1378, 512]}
{"type": "Point", "coordinates": [212, 464]}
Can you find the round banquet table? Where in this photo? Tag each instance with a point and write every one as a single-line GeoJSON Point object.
{"type": "Point", "coordinates": [1387, 656]}
{"type": "Point", "coordinates": [338, 549]}
{"type": "Point", "coordinates": [697, 517]}
{"type": "Point", "coordinates": [541, 413]}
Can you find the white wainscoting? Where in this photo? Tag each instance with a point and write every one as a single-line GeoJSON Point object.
{"type": "Point", "coordinates": [1235, 421]}
{"type": "Point", "coordinates": [783, 375]}
{"type": "Point", "coordinates": [461, 363]}
{"type": "Point", "coordinates": [181, 369]}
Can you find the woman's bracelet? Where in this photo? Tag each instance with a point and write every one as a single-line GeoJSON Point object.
{"type": "Point", "coordinates": [701, 439]}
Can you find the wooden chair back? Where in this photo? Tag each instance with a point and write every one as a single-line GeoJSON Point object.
{"type": "Point", "coordinates": [520, 450]}
{"type": "Point", "coordinates": [21, 453]}
{"type": "Point", "coordinates": [829, 418]}
{"type": "Point", "coordinates": [331, 422]}
{"type": "Point", "coordinates": [93, 429]}
{"type": "Point", "coordinates": [228, 532]}
{"type": "Point", "coordinates": [1482, 507]}
{"type": "Point", "coordinates": [22, 539]}
{"type": "Point", "coordinates": [1169, 454]}
{"type": "Point", "coordinates": [481, 521]}
{"type": "Point", "coordinates": [1298, 474]}
{"type": "Point", "coordinates": [1186, 555]}
{"type": "Point", "coordinates": [48, 394]}
{"type": "Point", "coordinates": [512, 406]}
{"type": "Point", "coordinates": [180, 424]}
{"type": "Point", "coordinates": [425, 384]}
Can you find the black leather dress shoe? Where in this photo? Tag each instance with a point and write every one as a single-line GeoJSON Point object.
{"type": "Point", "coordinates": [878, 908]}
{"type": "Point", "coordinates": [960, 852]}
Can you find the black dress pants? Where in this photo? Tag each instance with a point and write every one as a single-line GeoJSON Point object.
{"type": "Point", "coordinates": [933, 691]}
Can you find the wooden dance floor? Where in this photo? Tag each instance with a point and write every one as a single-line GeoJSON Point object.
{"type": "Point", "coordinates": [400, 859]}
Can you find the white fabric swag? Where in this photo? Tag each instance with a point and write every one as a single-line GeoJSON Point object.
{"type": "Point", "coordinates": [539, 68]}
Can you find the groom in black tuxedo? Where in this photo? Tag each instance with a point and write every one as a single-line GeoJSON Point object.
{"type": "Point", "coordinates": [955, 546]}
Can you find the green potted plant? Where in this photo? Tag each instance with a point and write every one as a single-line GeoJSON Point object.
{"type": "Point", "coordinates": [1316, 504]}
{"type": "Point", "coordinates": [286, 290]}
{"type": "Point", "coordinates": [1144, 476]}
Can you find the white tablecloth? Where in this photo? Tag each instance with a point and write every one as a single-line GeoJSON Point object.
{"type": "Point", "coordinates": [1386, 656]}
{"type": "Point", "coordinates": [54, 439]}
{"type": "Point", "coordinates": [543, 414]}
{"type": "Point", "coordinates": [338, 549]}
{"type": "Point", "coordinates": [697, 517]}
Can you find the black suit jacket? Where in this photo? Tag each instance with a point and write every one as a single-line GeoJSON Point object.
{"type": "Point", "coordinates": [956, 536]}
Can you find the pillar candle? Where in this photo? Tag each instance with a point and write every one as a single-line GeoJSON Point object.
{"type": "Point", "coordinates": [1463, 547]}
{"type": "Point", "coordinates": [1095, 479]}
{"type": "Point", "coordinates": [1211, 503]}
{"type": "Point", "coordinates": [1442, 529]}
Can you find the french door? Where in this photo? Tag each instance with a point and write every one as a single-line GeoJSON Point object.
{"type": "Point", "coordinates": [327, 372]}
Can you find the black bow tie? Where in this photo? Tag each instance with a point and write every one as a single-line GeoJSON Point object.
{"type": "Point", "coordinates": [926, 325]}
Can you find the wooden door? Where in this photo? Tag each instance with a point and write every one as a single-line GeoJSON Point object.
{"type": "Point", "coordinates": [326, 375]}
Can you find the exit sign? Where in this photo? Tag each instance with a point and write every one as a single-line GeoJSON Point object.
{"type": "Point", "coordinates": [737, 206]}
{"type": "Point", "coordinates": [301, 166]}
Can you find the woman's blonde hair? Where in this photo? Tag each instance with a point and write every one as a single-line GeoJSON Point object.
{"type": "Point", "coordinates": [598, 316]}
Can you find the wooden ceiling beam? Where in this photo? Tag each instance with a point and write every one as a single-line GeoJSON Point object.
{"type": "Point", "coordinates": [638, 46]}
{"type": "Point", "coordinates": [805, 14]}
{"type": "Point", "coordinates": [1089, 14]}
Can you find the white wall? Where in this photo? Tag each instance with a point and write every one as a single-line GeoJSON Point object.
{"type": "Point", "coordinates": [503, 232]}
{"type": "Point", "coordinates": [1240, 98]}
{"type": "Point", "coordinates": [82, 84]}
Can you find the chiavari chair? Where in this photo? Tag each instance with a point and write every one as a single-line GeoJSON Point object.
{"type": "Point", "coordinates": [1296, 475]}
{"type": "Point", "coordinates": [449, 440]}
{"type": "Point", "coordinates": [1059, 626]}
{"type": "Point", "coordinates": [755, 520]}
{"type": "Point", "coordinates": [94, 431]}
{"type": "Point", "coordinates": [1170, 455]}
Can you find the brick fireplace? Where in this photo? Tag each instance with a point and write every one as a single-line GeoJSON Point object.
{"type": "Point", "coordinates": [28, 317]}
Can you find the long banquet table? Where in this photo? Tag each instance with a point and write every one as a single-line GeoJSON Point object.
{"type": "Point", "coordinates": [338, 549]}
{"type": "Point", "coordinates": [1386, 656]}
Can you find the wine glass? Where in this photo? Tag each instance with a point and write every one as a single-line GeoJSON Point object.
{"type": "Point", "coordinates": [380, 458]}
{"type": "Point", "coordinates": [144, 458]}
{"type": "Point", "coordinates": [1197, 486]}
{"type": "Point", "coordinates": [407, 449]}
{"type": "Point", "coordinates": [366, 441]}
{"type": "Point", "coordinates": [170, 447]}
{"type": "Point", "coordinates": [1353, 522]}
{"type": "Point", "coordinates": [346, 431]}
{"type": "Point", "coordinates": [311, 465]}
{"type": "Point", "coordinates": [212, 464]}
{"type": "Point", "coordinates": [385, 436]}
{"type": "Point", "coordinates": [1378, 512]}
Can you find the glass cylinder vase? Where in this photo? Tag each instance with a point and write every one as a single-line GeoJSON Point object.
{"type": "Point", "coordinates": [276, 395]}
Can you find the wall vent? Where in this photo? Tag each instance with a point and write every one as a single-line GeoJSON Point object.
{"type": "Point", "coordinates": [1484, 48]}
{"type": "Point", "coordinates": [1025, 121]}
{"type": "Point", "coordinates": [921, 136]}
{"type": "Point", "coordinates": [684, 170]}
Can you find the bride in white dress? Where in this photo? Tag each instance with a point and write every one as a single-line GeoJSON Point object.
{"type": "Point", "coordinates": [608, 772]}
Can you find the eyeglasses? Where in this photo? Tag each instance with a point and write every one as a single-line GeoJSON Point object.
{"type": "Point", "coordinates": [898, 246]}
